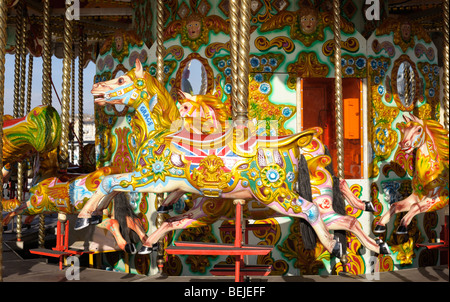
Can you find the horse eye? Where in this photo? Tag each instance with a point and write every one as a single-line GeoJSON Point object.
{"type": "Point", "coordinates": [120, 80]}
{"type": "Point", "coordinates": [185, 107]}
{"type": "Point", "coordinates": [420, 130]}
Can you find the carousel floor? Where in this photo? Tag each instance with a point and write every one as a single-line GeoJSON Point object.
{"type": "Point", "coordinates": [17, 269]}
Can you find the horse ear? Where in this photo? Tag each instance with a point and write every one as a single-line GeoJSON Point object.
{"type": "Point", "coordinates": [414, 118]}
{"type": "Point", "coordinates": [139, 71]}
{"type": "Point", "coordinates": [407, 119]}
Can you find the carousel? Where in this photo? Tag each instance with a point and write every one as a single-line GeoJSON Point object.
{"type": "Point", "coordinates": [232, 138]}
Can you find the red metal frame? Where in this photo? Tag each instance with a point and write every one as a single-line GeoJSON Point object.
{"type": "Point", "coordinates": [239, 250]}
{"type": "Point", "coordinates": [61, 249]}
{"type": "Point", "coordinates": [442, 246]}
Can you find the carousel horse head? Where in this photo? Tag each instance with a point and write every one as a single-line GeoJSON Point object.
{"type": "Point", "coordinates": [138, 89]}
{"type": "Point", "coordinates": [413, 133]}
{"type": "Point", "coordinates": [202, 113]}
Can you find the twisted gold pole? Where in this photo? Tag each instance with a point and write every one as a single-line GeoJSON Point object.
{"type": "Point", "coordinates": [234, 46]}
{"type": "Point", "coordinates": [29, 82]}
{"type": "Point", "coordinates": [23, 59]}
{"type": "Point", "coordinates": [46, 89]}
{"type": "Point", "coordinates": [3, 24]}
{"type": "Point", "coordinates": [160, 78]}
{"type": "Point", "coordinates": [160, 41]}
{"type": "Point", "coordinates": [20, 102]}
{"type": "Point", "coordinates": [80, 99]}
{"type": "Point", "coordinates": [17, 53]}
{"type": "Point", "coordinates": [338, 89]}
{"type": "Point", "coordinates": [241, 104]}
{"type": "Point", "coordinates": [445, 80]}
{"type": "Point", "coordinates": [72, 119]}
{"type": "Point", "coordinates": [65, 99]}
{"type": "Point", "coordinates": [46, 56]}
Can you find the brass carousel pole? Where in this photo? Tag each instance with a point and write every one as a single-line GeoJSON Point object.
{"type": "Point", "coordinates": [160, 78]}
{"type": "Point", "coordinates": [20, 102]}
{"type": "Point", "coordinates": [339, 111]}
{"type": "Point", "coordinates": [3, 24]}
{"type": "Point", "coordinates": [29, 82]}
{"type": "Point", "coordinates": [445, 79]}
{"type": "Point", "coordinates": [240, 103]}
{"type": "Point", "coordinates": [72, 116]}
{"type": "Point", "coordinates": [46, 56]}
{"type": "Point", "coordinates": [46, 89]}
{"type": "Point", "coordinates": [80, 98]}
{"type": "Point", "coordinates": [234, 46]}
{"type": "Point", "coordinates": [65, 98]}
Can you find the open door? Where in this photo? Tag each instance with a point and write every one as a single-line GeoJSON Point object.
{"type": "Point", "coordinates": [318, 109]}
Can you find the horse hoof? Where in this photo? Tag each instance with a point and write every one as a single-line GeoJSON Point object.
{"type": "Point", "coordinates": [81, 223]}
{"type": "Point", "coordinates": [96, 219]}
{"type": "Point", "coordinates": [369, 207]}
{"type": "Point", "coordinates": [401, 230]}
{"type": "Point", "coordinates": [130, 248]}
{"type": "Point", "coordinates": [379, 229]}
{"type": "Point", "coordinates": [146, 250]}
{"type": "Point", "coordinates": [164, 209]}
{"type": "Point", "coordinates": [384, 249]}
{"type": "Point", "coordinates": [338, 250]}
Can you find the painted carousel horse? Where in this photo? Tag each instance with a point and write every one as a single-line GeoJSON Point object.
{"type": "Point", "coordinates": [39, 133]}
{"type": "Point", "coordinates": [318, 184]}
{"type": "Point", "coordinates": [36, 133]}
{"type": "Point", "coordinates": [67, 194]}
{"type": "Point", "coordinates": [231, 165]}
{"type": "Point", "coordinates": [430, 179]}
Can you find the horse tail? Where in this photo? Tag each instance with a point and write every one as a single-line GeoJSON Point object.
{"type": "Point", "coordinates": [304, 189]}
{"type": "Point", "coordinates": [10, 205]}
{"type": "Point", "coordinates": [338, 200]}
{"type": "Point", "coordinates": [122, 210]}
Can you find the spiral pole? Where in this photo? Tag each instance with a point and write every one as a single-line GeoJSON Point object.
{"type": "Point", "coordinates": [234, 46]}
{"type": "Point", "coordinates": [46, 56]}
{"type": "Point", "coordinates": [80, 99]}
{"type": "Point", "coordinates": [72, 116]}
{"type": "Point", "coordinates": [241, 104]}
{"type": "Point", "coordinates": [29, 82]}
{"type": "Point", "coordinates": [23, 59]}
{"type": "Point", "coordinates": [338, 89]}
{"type": "Point", "coordinates": [160, 77]}
{"type": "Point", "coordinates": [65, 98]}
{"type": "Point", "coordinates": [445, 80]}
{"type": "Point", "coordinates": [3, 16]}
{"type": "Point", "coordinates": [160, 41]}
{"type": "Point", "coordinates": [17, 62]}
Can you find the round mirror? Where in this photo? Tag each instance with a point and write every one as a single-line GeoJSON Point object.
{"type": "Point", "coordinates": [406, 85]}
{"type": "Point", "coordinates": [405, 90]}
{"type": "Point", "coordinates": [194, 80]}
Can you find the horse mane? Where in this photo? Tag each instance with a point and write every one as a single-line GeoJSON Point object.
{"type": "Point", "coordinates": [215, 104]}
{"type": "Point", "coordinates": [440, 137]}
{"type": "Point", "coordinates": [165, 109]}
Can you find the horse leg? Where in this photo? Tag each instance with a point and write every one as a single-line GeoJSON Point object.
{"type": "Point", "coordinates": [136, 226]}
{"type": "Point", "coordinates": [298, 207]}
{"type": "Point", "coordinates": [101, 199]}
{"type": "Point", "coordinates": [353, 200]}
{"type": "Point", "coordinates": [195, 217]}
{"type": "Point", "coordinates": [351, 224]}
{"type": "Point", "coordinates": [397, 207]}
{"type": "Point", "coordinates": [113, 226]}
{"type": "Point", "coordinates": [172, 198]}
{"type": "Point", "coordinates": [414, 209]}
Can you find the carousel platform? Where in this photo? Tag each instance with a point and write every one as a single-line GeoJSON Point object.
{"type": "Point", "coordinates": [17, 269]}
